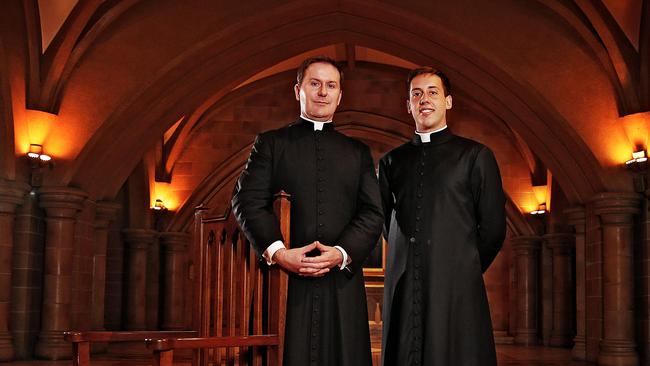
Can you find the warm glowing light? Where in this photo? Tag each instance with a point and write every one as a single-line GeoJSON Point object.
{"type": "Point", "coordinates": [158, 205]}
{"type": "Point", "coordinates": [35, 151]}
{"type": "Point", "coordinates": [163, 192]}
{"type": "Point", "coordinates": [636, 128]}
{"type": "Point", "coordinates": [540, 210]}
{"type": "Point", "coordinates": [39, 124]}
{"type": "Point", "coordinates": [540, 193]}
{"type": "Point", "coordinates": [45, 157]}
{"type": "Point", "coordinates": [638, 161]}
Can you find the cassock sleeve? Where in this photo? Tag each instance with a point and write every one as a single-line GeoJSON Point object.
{"type": "Point", "coordinates": [489, 203]}
{"type": "Point", "coordinates": [252, 202]}
{"type": "Point", "coordinates": [387, 198]}
{"type": "Point", "coordinates": [362, 232]}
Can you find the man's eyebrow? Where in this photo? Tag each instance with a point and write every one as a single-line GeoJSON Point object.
{"type": "Point", "coordinates": [325, 81]}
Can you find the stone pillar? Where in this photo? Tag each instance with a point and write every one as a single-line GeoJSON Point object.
{"type": "Point", "coordinates": [561, 244]}
{"type": "Point", "coordinates": [11, 196]}
{"type": "Point", "coordinates": [497, 285]}
{"type": "Point", "coordinates": [526, 253]}
{"type": "Point", "coordinates": [137, 242]}
{"type": "Point", "coordinates": [174, 247]}
{"type": "Point", "coordinates": [61, 205]}
{"type": "Point", "coordinates": [104, 213]}
{"type": "Point", "coordinates": [545, 310]}
{"type": "Point", "coordinates": [576, 218]}
{"type": "Point", "coordinates": [616, 212]}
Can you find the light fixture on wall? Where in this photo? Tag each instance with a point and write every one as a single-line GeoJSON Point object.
{"type": "Point", "coordinates": [541, 209]}
{"type": "Point", "coordinates": [638, 162]}
{"type": "Point", "coordinates": [541, 196]}
{"type": "Point", "coordinates": [159, 205]}
{"type": "Point", "coordinates": [36, 153]}
{"type": "Point", "coordinates": [639, 165]}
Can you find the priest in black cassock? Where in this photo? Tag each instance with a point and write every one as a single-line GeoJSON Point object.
{"type": "Point", "coordinates": [336, 219]}
{"type": "Point", "coordinates": [444, 210]}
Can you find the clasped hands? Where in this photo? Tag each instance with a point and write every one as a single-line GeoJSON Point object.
{"type": "Point", "coordinates": [296, 260]}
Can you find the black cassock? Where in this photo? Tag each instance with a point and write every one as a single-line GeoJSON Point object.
{"type": "Point", "coordinates": [444, 208]}
{"type": "Point", "coordinates": [335, 200]}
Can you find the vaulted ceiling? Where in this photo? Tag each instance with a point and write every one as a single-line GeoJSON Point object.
{"type": "Point", "coordinates": [559, 84]}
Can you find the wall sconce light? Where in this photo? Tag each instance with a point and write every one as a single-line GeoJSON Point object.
{"type": "Point", "coordinates": [159, 205]}
{"type": "Point", "coordinates": [36, 153]}
{"type": "Point", "coordinates": [541, 209]}
{"type": "Point", "coordinates": [638, 162]}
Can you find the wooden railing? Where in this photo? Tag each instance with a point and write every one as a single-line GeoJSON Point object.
{"type": "Point", "coordinates": [240, 301]}
{"type": "Point", "coordinates": [81, 340]}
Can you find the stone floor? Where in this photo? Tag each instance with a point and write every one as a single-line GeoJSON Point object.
{"type": "Point", "coordinates": [508, 356]}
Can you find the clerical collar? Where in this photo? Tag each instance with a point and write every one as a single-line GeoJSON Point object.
{"type": "Point", "coordinates": [318, 125]}
{"type": "Point", "coordinates": [432, 138]}
{"type": "Point", "coordinates": [426, 136]}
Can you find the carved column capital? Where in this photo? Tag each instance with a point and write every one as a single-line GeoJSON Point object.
{"type": "Point", "coordinates": [174, 241]}
{"type": "Point", "coordinates": [560, 243]}
{"type": "Point", "coordinates": [105, 213]}
{"type": "Point", "coordinates": [11, 195]}
{"type": "Point", "coordinates": [139, 238]}
{"type": "Point", "coordinates": [61, 202]}
{"type": "Point", "coordinates": [575, 217]}
{"type": "Point", "coordinates": [616, 208]}
{"type": "Point", "coordinates": [526, 244]}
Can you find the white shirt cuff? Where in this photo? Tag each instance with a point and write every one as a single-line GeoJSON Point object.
{"type": "Point", "coordinates": [346, 259]}
{"type": "Point", "coordinates": [270, 251]}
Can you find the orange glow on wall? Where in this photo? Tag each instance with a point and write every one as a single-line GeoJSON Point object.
{"type": "Point", "coordinates": [164, 192]}
{"type": "Point", "coordinates": [529, 205]}
{"type": "Point", "coordinates": [38, 124]}
{"type": "Point", "coordinates": [636, 128]}
{"type": "Point", "coordinates": [622, 152]}
{"type": "Point", "coordinates": [540, 193]}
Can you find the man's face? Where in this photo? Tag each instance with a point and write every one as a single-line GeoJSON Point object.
{"type": "Point", "coordinates": [427, 103]}
{"type": "Point", "coordinates": [320, 92]}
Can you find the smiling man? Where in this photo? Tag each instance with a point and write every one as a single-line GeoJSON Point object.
{"type": "Point", "coordinates": [336, 219]}
{"type": "Point", "coordinates": [444, 211]}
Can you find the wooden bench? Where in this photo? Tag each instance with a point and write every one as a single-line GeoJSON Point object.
{"type": "Point", "coordinates": [81, 340]}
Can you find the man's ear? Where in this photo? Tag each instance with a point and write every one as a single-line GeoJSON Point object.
{"type": "Point", "coordinates": [408, 106]}
{"type": "Point", "coordinates": [448, 101]}
{"type": "Point", "coordinates": [340, 95]}
{"type": "Point", "coordinates": [296, 89]}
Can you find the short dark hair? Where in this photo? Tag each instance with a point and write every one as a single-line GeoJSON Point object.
{"type": "Point", "coordinates": [446, 85]}
{"type": "Point", "coordinates": [318, 59]}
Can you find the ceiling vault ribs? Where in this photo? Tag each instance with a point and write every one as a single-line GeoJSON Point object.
{"type": "Point", "coordinates": [48, 72]}
{"type": "Point", "coordinates": [644, 55]}
{"type": "Point", "coordinates": [621, 52]}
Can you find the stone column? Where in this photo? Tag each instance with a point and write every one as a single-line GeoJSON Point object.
{"type": "Point", "coordinates": [174, 247]}
{"type": "Point", "coordinates": [576, 218]}
{"type": "Point", "coordinates": [526, 253]}
{"type": "Point", "coordinates": [137, 242]}
{"type": "Point", "coordinates": [616, 212]}
{"type": "Point", "coordinates": [11, 196]}
{"type": "Point", "coordinates": [104, 213]}
{"type": "Point", "coordinates": [61, 205]}
{"type": "Point", "coordinates": [545, 310]}
{"type": "Point", "coordinates": [497, 283]}
{"type": "Point", "coordinates": [561, 245]}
